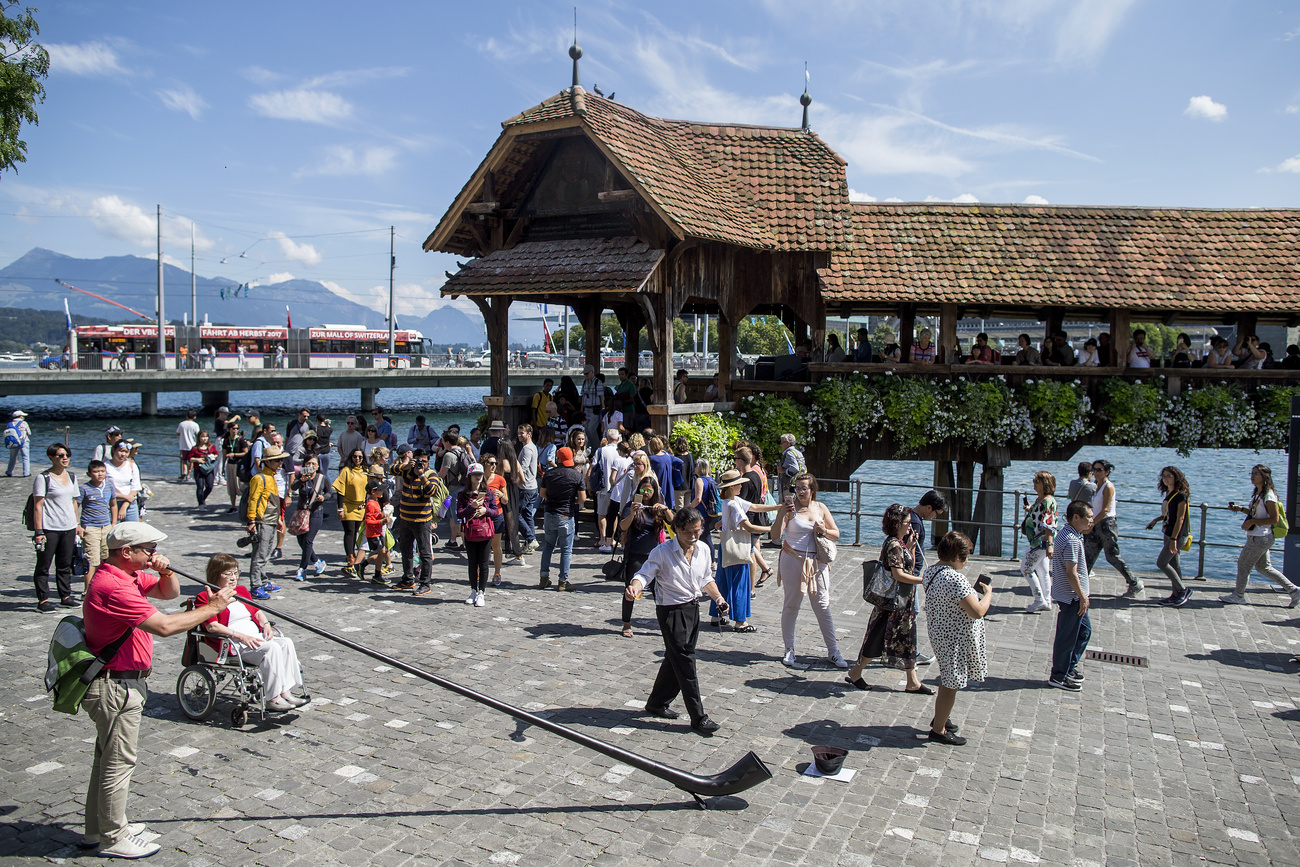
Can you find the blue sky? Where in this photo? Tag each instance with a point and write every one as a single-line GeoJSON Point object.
{"type": "Point", "coordinates": [297, 133]}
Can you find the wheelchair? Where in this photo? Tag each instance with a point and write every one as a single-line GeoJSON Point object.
{"type": "Point", "coordinates": [206, 673]}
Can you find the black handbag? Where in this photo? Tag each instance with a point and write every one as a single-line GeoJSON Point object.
{"type": "Point", "coordinates": [613, 569]}
{"type": "Point", "coordinates": [879, 587]}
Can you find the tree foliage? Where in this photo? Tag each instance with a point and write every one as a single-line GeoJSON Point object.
{"type": "Point", "coordinates": [23, 64]}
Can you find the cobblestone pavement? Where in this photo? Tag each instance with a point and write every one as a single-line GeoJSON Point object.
{"type": "Point", "coordinates": [1191, 760]}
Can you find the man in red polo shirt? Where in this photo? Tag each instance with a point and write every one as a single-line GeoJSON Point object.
{"type": "Point", "coordinates": [115, 602]}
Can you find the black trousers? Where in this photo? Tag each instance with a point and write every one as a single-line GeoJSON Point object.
{"type": "Point", "coordinates": [680, 627]}
{"type": "Point", "coordinates": [60, 550]}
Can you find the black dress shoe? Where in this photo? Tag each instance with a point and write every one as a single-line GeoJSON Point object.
{"type": "Point", "coordinates": [705, 726]}
{"type": "Point", "coordinates": [950, 727]}
{"type": "Point", "coordinates": [946, 738]}
{"type": "Point", "coordinates": [661, 712]}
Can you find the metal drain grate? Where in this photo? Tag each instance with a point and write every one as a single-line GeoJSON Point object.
{"type": "Point", "coordinates": [1120, 658]}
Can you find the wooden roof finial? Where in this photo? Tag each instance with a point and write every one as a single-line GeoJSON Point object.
{"type": "Point", "coordinates": [804, 100]}
{"type": "Point", "coordinates": [574, 51]}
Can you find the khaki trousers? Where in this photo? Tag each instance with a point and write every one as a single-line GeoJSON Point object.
{"type": "Point", "coordinates": [116, 706]}
{"type": "Point", "coordinates": [94, 541]}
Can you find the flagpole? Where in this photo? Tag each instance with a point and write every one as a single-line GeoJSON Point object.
{"type": "Point", "coordinates": [72, 337]}
{"type": "Point", "coordinates": [194, 283]}
{"type": "Point", "coordinates": [162, 320]}
{"type": "Point", "coordinates": [392, 265]}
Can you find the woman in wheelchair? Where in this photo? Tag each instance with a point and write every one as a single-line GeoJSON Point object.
{"type": "Point", "coordinates": [260, 643]}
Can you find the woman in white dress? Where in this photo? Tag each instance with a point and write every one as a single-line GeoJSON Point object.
{"type": "Point", "coordinates": [954, 612]}
{"type": "Point", "coordinates": [260, 644]}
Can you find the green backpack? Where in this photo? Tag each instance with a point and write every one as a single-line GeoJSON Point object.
{"type": "Point", "coordinates": [71, 664]}
{"type": "Point", "coordinates": [1281, 528]}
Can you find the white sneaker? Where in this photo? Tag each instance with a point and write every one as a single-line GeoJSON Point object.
{"type": "Point", "coordinates": [473, 597]}
{"type": "Point", "coordinates": [532, 547]}
{"type": "Point", "coordinates": [1038, 605]}
{"type": "Point", "coordinates": [130, 846]}
{"type": "Point", "coordinates": [480, 599]}
{"type": "Point", "coordinates": [518, 561]}
{"type": "Point", "coordinates": [320, 567]}
{"type": "Point", "coordinates": [836, 660]}
{"type": "Point", "coordinates": [605, 549]}
{"type": "Point", "coordinates": [90, 841]}
{"type": "Point", "coordinates": [788, 659]}
{"type": "Point", "coordinates": [1232, 599]}
{"type": "Point", "coordinates": [1295, 598]}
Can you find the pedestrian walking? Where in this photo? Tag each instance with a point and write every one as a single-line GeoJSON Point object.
{"type": "Point", "coordinates": [528, 488]}
{"type": "Point", "coordinates": [1262, 514]}
{"type": "Point", "coordinates": [350, 486]}
{"type": "Point", "coordinates": [792, 463]}
{"type": "Point", "coordinates": [891, 633]}
{"type": "Point", "coordinates": [1176, 532]}
{"type": "Point", "coordinates": [954, 619]}
{"type": "Point", "coordinates": [1070, 588]}
{"type": "Point", "coordinates": [18, 437]}
{"type": "Point", "coordinates": [1105, 529]}
{"type": "Point", "coordinates": [641, 528]}
{"type": "Point", "coordinates": [563, 495]}
{"type": "Point", "coordinates": [311, 485]}
{"type": "Point", "coordinates": [118, 603]}
{"type": "Point", "coordinates": [235, 449]}
{"type": "Point", "coordinates": [734, 573]}
{"type": "Point", "coordinates": [477, 509]}
{"type": "Point", "coordinates": [800, 521]}
{"type": "Point", "coordinates": [1039, 528]}
{"type": "Point", "coordinates": [187, 432]}
{"type": "Point", "coordinates": [127, 487]}
{"type": "Point", "coordinates": [681, 570]}
{"type": "Point", "coordinates": [202, 460]}
{"type": "Point", "coordinates": [1083, 489]}
{"type": "Point", "coordinates": [422, 490]}
{"type": "Point", "coordinates": [56, 526]}
{"type": "Point", "coordinates": [265, 518]}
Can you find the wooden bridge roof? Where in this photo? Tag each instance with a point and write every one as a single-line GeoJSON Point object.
{"type": "Point", "coordinates": [573, 267]}
{"type": "Point", "coordinates": [1018, 256]}
{"type": "Point", "coordinates": [770, 188]}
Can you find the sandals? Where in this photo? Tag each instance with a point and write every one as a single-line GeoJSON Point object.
{"type": "Point", "coordinates": [627, 631]}
{"type": "Point", "coordinates": [748, 627]}
{"type": "Point", "coordinates": [767, 573]}
{"type": "Point", "coordinates": [923, 690]}
{"type": "Point", "coordinates": [859, 683]}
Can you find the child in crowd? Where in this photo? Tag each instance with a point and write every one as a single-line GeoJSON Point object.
{"type": "Point", "coordinates": [373, 526]}
{"type": "Point", "coordinates": [97, 514]}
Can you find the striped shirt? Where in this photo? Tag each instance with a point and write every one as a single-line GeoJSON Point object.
{"type": "Point", "coordinates": [1068, 548]}
{"type": "Point", "coordinates": [419, 489]}
{"type": "Point", "coordinates": [95, 501]}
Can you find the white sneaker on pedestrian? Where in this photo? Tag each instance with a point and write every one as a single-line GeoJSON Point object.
{"type": "Point", "coordinates": [605, 549]}
{"type": "Point", "coordinates": [836, 660]}
{"type": "Point", "coordinates": [1295, 598]}
{"type": "Point", "coordinates": [518, 561]}
{"type": "Point", "coordinates": [130, 846]}
{"type": "Point", "coordinates": [90, 841]}
{"type": "Point", "coordinates": [472, 598]}
{"type": "Point", "coordinates": [480, 599]}
{"type": "Point", "coordinates": [1232, 599]}
{"type": "Point", "coordinates": [532, 547]}
{"type": "Point", "coordinates": [1038, 605]}
{"type": "Point", "coordinates": [788, 659]}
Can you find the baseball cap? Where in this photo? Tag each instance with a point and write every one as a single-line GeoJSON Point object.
{"type": "Point", "coordinates": [223, 409]}
{"type": "Point", "coordinates": [474, 469]}
{"type": "Point", "coordinates": [134, 533]}
{"type": "Point", "coordinates": [112, 429]}
{"type": "Point", "coordinates": [18, 413]}
{"type": "Point", "coordinates": [564, 456]}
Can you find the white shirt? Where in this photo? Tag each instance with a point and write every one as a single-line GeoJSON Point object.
{"type": "Point", "coordinates": [1097, 501]}
{"type": "Point", "coordinates": [676, 579]}
{"type": "Point", "coordinates": [126, 478]}
{"type": "Point", "coordinates": [620, 474]}
{"type": "Point", "coordinates": [188, 431]}
{"type": "Point", "coordinates": [1261, 514]}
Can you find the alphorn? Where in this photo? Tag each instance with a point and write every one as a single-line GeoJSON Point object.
{"type": "Point", "coordinates": [744, 774]}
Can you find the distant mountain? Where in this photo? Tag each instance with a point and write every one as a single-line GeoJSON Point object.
{"type": "Point", "coordinates": [132, 280]}
{"type": "Point", "coordinates": [448, 325]}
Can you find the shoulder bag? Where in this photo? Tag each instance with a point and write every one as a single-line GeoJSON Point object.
{"type": "Point", "coordinates": [826, 550]}
{"type": "Point", "coordinates": [879, 587]}
{"type": "Point", "coordinates": [613, 570]}
{"type": "Point", "coordinates": [736, 547]}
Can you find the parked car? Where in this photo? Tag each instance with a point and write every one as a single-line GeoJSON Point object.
{"type": "Point", "coordinates": [479, 359]}
{"type": "Point", "coordinates": [535, 360]}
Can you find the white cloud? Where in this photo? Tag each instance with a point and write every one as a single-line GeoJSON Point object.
{"type": "Point", "coordinates": [890, 145]}
{"type": "Point", "coordinates": [1083, 34]}
{"type": "Point", "coordinates": [296, 252]}
{"type": "Point", "coordinates": [310, 106]}
{"type": "Point", "coordinates": [124, 221]}
{"type": "Point", "coordinates": [355, 76]}
{"type": "Point", "coordinates": [1291, 165]}
{"type": "Point", "coordinates": [342, 160]}
{"type": "Point", "coordinates": [279, 277]}
{"type": "Point", "coordinates": [1036, 200]}
{"type": "Point", "coordinates": [855, 196]}
{"type": "Point", "coordinates": [89, 58]}
{"type": "Point", "coordinates": [892, 199]}
{"type": "Point", "coordinates": [184, 99]}
{"type": "Point", "coordinates": [966, 199]}
{"type": "Point", "coordinates": [1293, 109]}
{"type": "Point", "coordinates": [1206, 108]}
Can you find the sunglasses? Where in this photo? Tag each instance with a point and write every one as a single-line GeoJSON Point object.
{"type": "Point", "coordinates": [147, 549]}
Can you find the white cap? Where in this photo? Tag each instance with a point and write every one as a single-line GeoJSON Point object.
{"type": "Point", "coordinates": [134, 533]}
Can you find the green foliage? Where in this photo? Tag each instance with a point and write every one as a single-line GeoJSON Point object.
{"type": "Point", "coordinates": [1059, 411]}
{"type": "Point", "coordinates": [1161, 338]}
{"type": "Point", "coordinates": [842, 408]}
{"type": "Point", "coordinates": [709, 436]}
{"type": "Point", "coordinates": [23, 64]}
{"type": "Point", "coordinates": [764, 418]}
{"type": "Point", "coordinates": [985, 412]}
{"type": "Point", "coordinates": [1273, 411]}
{"type": "Point", "coordinates": [764, 335]}
{"type": "Point", "coordinates": [882, 336]}
{"type": "Point", "coordinates": [685, 339]}
{"type": "Point", "coordinates": [21, 327]}
{"type": "Point", "coordinates": [913, 411]}
{"type": "Point", "coordinates": [1138, 413]}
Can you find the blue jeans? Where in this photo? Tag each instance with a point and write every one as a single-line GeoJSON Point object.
{"type": "Point", "coordinates": [557, 532]}
{"type": "Point", "coordinates": [528, 501]}
{"type": "Point", "coordinates": [22, 452]}
{"type": "Point", "coordinates": [1072, 634]}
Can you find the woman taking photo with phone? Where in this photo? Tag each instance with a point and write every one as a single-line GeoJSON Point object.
{"type": "Point", "coordinates": [641, 526]}
{"type": "Point", "coordinates": [799, 522]}
{"type": "Point", "coordinates": [477, 509]}
{"type": "Point", "coordinates": [350, 485]}
{"type": "Point", "coordinates": [1261, 514]}
{"type": "Point", "coordinates": [954, 615]}
{"type": "Point", "coordinates": [312, 486]}
{"type": "Point", "coordinates": [1173, 484]}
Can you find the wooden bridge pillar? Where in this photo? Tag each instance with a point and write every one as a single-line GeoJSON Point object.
{"type": "Point", "coordinates": [947, 333]}
{"type": "Point", "coordinates": [988, 505]}
{"type": "Point", "coordinates": [589, 315]}
{"type": "Point", "coordinates": [726, 355]}
{"type": "Point", "coordinates": [1119, 337]}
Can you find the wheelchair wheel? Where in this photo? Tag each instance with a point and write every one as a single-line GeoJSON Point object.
{"type": "Point", "coordinates": [239, 717]}
{"type": "Point", "coordinates": [196, 690]}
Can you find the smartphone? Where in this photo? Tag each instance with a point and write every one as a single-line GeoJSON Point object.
{"type": "Point", "coordinates": [638, 498]}
{"type": "Point", "coordinates": [985, 580]}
